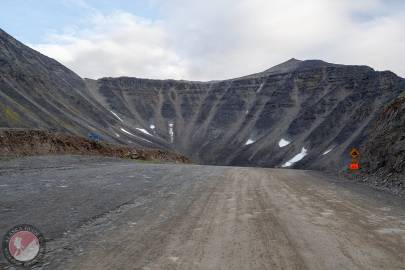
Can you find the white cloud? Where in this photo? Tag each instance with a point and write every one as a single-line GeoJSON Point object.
{"type": "Point", "coordinates": [120, 44]}
{"type": "Point", "coordinates": [245, 36]}
{"type": "Point", "coordinates": [214, 39]}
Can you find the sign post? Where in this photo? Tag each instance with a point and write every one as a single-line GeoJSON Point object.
{"type": "Point", "coordinates": [354, 165]}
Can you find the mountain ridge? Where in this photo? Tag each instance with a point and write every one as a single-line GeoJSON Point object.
{"type": "Point", "coordinates": [274, 70]}
{"type": "Point", "coordinates": [316, 106]}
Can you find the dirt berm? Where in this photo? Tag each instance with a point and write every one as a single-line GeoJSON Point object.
{"type": "Point", "coordinates": [23, 142]}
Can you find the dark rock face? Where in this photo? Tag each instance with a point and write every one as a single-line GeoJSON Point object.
{"type": "Point", "coordinates": [38, 92]}
{"type": "Point", "coordinates": [322, 109]}
{"type": "Point", "coordinates": [384, 149]}
{"type": "Point", "coordinates": [315, 105]}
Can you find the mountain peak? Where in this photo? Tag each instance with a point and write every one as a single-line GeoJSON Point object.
{"type": "Point", "coordinates": [287, 66]}
{"type": "Point", "coordinates": [292, 60]}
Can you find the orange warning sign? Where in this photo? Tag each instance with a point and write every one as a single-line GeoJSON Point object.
{"type": "Point", "coordinates": [354, 153]}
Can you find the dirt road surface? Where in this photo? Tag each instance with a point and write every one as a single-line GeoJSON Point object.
{"type": "Point", "coordinates": [110, 214]}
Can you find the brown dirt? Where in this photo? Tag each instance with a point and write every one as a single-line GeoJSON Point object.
{"type": "Point", "coordinates": [23, 142]}
{"type": "Point", "coordinates": [248, 219]}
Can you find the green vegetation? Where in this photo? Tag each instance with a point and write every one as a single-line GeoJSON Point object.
{"type": "Point", "coordinates": [7, 158]}
{"type": "Point", "coordinates": [11, 116]}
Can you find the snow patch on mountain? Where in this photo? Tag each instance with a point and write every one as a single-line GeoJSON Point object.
{"type": "Point", "coordinates": [250, 141]}
{"type": "Point", "coordinates": [283, 143]}
{"type": "Point", "coordinates": [171, 132]}
{"type": "Point", "coordinates": [116, 115]}
{"type": "Point", "coordinates": [129, 133]}
{"type": "Point", "coordinates": [144, 131]}
{"type": "Point", "coordinates": [327, 151]}
{"type": "Point", "coordinates": [296, 158]}
{"type": "Point", "coordinates": [260, 88]}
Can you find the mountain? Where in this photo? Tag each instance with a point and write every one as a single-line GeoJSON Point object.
{"type": "Point", "coordinates": [303, 114]}
{"type": "Point", "coordinates": [38, 92]}
{"type": "Point", "coordinates": [312, 104]}
{"type": "Point", "coordinates": [385, 145]}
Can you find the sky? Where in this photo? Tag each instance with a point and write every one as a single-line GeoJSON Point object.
{"type": "Point", "coordinates": [209, 39]}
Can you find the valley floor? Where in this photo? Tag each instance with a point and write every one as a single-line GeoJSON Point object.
{"type": "Point", "coordinates": [100, 213]}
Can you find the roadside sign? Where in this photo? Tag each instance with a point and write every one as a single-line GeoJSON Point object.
{"type": "Point", "coordinates": [354, 153]}
{"type": "Point", "coordinates": [354, 166]}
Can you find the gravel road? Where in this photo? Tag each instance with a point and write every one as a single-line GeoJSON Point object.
{"type": "Point", "coordinates": [101, 213]}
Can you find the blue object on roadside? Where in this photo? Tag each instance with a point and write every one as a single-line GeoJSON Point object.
{"type": "Point", "coordinates": [94, 137]}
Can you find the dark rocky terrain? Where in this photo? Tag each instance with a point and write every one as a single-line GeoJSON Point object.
{"type": "Point", "coordinates": [385, 147]}
{"type": "Point", "coordinates": [383, 152]}
{"type": "Point", "coordinates": [21, 142]}
{"type": "Point", "coordinates": [322, 109]}
{"type": "Point", "coordinates": [38, 92]}
{"type": "Point", "coordinates": [313, 104]}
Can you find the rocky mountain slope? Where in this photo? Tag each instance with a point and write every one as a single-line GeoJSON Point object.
{"type": "Point", "coordinates": [310, 107]}
{"type": "Point", "coordinates": [38, 92]}
{"type": "Point", "coordinates": [303, 114]}
{"type": "Point", "coordinates": [385, 146]}
{"type": "Point", "coordinates": [22, 142]}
